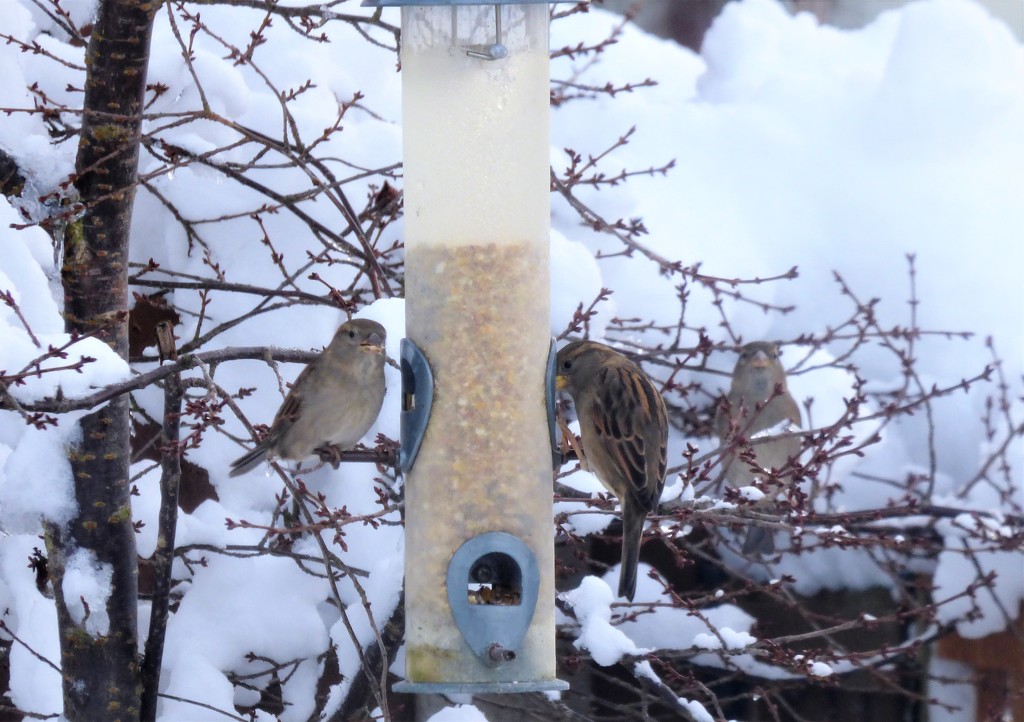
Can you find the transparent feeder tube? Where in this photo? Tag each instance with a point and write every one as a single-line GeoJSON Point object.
{"type": "Point", "coordinates": [477, 305]}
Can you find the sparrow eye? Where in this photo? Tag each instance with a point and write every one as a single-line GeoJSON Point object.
{"type": "Point", "coordinates": [351, 333]}
{"type": "Point", "coordinates": [566, 365]}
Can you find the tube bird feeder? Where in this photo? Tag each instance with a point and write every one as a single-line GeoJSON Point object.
{"type": "Point", "coordinates": [476, 445]}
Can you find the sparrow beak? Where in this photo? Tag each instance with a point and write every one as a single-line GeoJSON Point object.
{"type": "Point", "coordinates": [760, 360]}
{"type": "Point", "coordinates": [561, 382]}
{"type": "Point", "coordinates": [374, 344]}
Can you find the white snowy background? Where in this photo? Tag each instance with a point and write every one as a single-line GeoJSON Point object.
{"type": "Point", "coordinates": [795, 144]}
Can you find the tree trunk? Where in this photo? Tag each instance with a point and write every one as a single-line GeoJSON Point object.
{"type": "Point", "coordinates": [100, 661]}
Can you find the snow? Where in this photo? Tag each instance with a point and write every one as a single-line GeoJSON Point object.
{"type": "Point", "coordinates": [820, 669]}
{"type": "Point", "coordinates": [458, 713]}
{"type": "Point", "coordinates": [995, 603]}
{"type": "Point", "coordinates": [25, 263]}
{"type": "Point", "coordinates": [86, 591]}
{"type": "Point", "coordinates": [591, 601]}
{"type": "Point", "coordinates": [672, 628]}
{"type": "Point", "coordinates": [700, 714]}
{"type": "Point", "coordinates": [231, 599]}
{"type": "Point", "coordinates": [266, 606]}
{"type": "Point", "coordinates": [51, 495]}
{"type": "Point", "coordinates": [796, 144]}
{"type": "Point", "coordinates": [146, 506]}
{"type": "Point", "coordinates": [751, 493]}
{"type": "Point", "coordinates": [952, 699]}
{"type": "Point", "coordinates": [581, 286]}
{"type": "Point", "coordinates": [35, 685]}
{"type": "Point", "coordinates": [726, 638]}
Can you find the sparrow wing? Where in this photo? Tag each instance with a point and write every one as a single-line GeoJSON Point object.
{"type": "Point", "coordinates": [292, 405]}
{"type": "Point", "coordinates": [629, 419]}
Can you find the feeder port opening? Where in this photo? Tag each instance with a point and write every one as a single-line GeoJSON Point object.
{"type": "Point", "coordinates": [495, 579]}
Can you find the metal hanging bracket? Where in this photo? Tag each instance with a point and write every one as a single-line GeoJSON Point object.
{"type": "Point", "coordinates": [417, 397]}
{"type": "Point", "coordinates": [550, 397]}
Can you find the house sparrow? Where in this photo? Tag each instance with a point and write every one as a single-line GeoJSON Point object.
{"type": "Point", "coordinates": [624, 431]}
{"type": "Point", "coordinates": [333, 402]}
{"type": "Point", "coordinates": [758, 400]}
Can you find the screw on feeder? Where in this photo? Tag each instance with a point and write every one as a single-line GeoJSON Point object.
{"type": "Point", "coordinates": [496, 50]}
{"type": "Point", "coordinates": [497, 654]}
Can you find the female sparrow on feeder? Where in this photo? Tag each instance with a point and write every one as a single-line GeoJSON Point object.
{"type": "Point", "coordinates": [624, 429]}
{"type": "Point", "coordinates": [758, 400]}
{"type": "Point", "coordinates": [332, 403]}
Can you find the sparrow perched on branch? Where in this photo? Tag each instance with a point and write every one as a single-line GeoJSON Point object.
{"type": "Point", "coordinates": [624, 430]}
{"type": "Point", "coordinates": [332, 403]}
{"type": "Point", "coordinates": [758, 400]}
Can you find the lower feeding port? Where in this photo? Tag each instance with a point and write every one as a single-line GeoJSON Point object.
{"type": "Point", "coordinates": [501, 576]}
{"type": "Point", "coordinates": [493, 583]}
